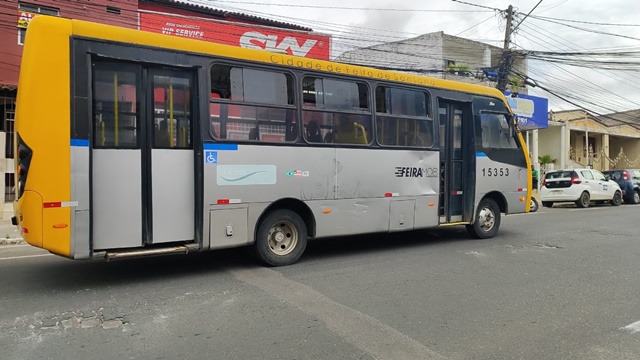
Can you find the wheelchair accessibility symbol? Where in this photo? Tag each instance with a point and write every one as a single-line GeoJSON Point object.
{"type": "Point", "coordinates": [211, 157]}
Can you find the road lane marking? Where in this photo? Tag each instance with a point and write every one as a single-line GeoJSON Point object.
{"type": "Point", "coordinates": [589, 208]}
{"type": "Point", "coordinates": [365, 332]}
{"type": "Point", "coordinates": [632, 328]}
{"type": "Point", "coordinates": [529, 213]}
{"type": "Point", "coordinates": [24, 257]}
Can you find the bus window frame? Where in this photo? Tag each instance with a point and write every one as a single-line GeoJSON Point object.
{"type": "Point", "coordinates": [369, 111]}
{"type": "Point", "coordinates": [357, 80]}
{"type": "Point", "coordinates": [116, 65]}
{"type": "Point", "coordinates": [429, 109]}
{"type": "Point", "coordinates": [512, 126]}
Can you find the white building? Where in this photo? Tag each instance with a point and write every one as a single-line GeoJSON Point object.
{"type": "Point", "coordinates": [438, 55]}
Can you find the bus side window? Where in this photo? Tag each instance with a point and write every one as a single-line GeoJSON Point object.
{"type": "Point", "coordinates": [116, 105]}
{"type": "Point", "coordinates": [252, 105]}
{"type": "Point", "coordinates": [340, 108]}
{"type": "Point", "coordinates": [403, 117]}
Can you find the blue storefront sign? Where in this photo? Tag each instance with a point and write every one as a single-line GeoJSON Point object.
{"type": "Point", "coordinates": [531, 111]}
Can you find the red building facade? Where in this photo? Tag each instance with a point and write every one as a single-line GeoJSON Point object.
{"type": "Point", "coordinates": [15, 16]}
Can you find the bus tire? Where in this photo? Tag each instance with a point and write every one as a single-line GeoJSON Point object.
{"type": "Point", "coordinates": [487, 220]}
{"type": "Point", "coordinates": [281, 238]}
{"type": "Point", "coordinates": [534, 206]}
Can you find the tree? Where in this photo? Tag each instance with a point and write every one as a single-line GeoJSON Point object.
{"type": "Point", "coordinates": [515, 84]}
{"type": "Point", "coordinates": [460, 70]}
{"type": "Point", "coordinates": [545, 160]}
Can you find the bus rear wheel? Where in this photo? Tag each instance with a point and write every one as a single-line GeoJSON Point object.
{"type": "Point", "coordinates": [281, 238]}
{"type": "Point", "coordinates": [487, 221]}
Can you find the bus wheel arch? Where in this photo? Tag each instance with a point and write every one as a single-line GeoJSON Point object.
{"type": "Point", "coordinates": [487, 217]}
{"type": "Point", "coordinates": [282, 232]}
{"type": "Point", "coordinates": [500, 200]}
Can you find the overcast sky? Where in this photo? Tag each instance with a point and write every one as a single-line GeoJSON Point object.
{"type": "Point", "coordinates": [371, 22]}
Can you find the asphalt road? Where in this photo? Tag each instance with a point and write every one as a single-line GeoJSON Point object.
{"type": "Point", "coordinates": [557, 284]}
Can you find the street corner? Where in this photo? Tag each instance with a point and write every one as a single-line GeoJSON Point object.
{"type": "Point", "coordinates": [9, 235]}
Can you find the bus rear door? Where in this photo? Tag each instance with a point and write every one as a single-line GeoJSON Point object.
{"type": "Point", "coordinates": [142, 156]}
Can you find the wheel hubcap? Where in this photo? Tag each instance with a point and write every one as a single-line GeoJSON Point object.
{"type": "Point", "coordinates": [636, 197]}
{"type": "Point", "coordinates": [283, 238]}
{"type": "Point", "coordinates": [487, 219]}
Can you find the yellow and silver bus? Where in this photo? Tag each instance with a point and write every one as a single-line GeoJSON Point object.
{"type": "Point", "coordinates": [132, 144]}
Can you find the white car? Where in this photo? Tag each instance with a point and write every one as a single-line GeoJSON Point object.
{"type": "Point", "coordinates": [580, 186]}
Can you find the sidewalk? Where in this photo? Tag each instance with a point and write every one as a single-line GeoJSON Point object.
{"type": "Point", "coordinates": [9, 234]}
{"type": "Point", "coordinates": [536, 195]}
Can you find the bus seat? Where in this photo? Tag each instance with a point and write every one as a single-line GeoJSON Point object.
{"type": "Point", "coordinates": [352, 136]}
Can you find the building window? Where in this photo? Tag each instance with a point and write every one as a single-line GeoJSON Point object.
{"type": "Point", "coordinates": [26, 12]}
{"type": "Point", "coordinates": [9, 122]}
{"type": "Point", "coordinates": [113, 10]}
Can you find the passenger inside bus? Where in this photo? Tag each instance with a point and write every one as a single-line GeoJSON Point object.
{"type": "Point", "coordinates": [328, 137]}
{"type": "Point", "coordinates": [313, 132]}
{"type": "Point", "coordinates": [162, 135]}
{"type": "Point", "coordinates": [254, 134]}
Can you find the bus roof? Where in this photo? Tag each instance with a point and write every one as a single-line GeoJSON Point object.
{"type": "Point", "coordinates": [104, 32]}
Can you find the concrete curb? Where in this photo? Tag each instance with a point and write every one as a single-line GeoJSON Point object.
{"type": "Point", "coordinates": [12, 241]}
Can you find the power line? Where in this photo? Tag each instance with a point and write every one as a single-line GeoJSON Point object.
{"type": "Point", "coordinates": [583, 22]}
{"type": "Point", "coordinates": [629, 80]}
{"type": "Point", "coordinates": [589, 30]}
{"type": "Point", "coordinates": [526, 16]}
{"type": "Point", "coordinates": [585, 89]}
{"type": "Point", "coordinates": [344, 7]}
{"type": "Point", "coordinates": [476, 5]}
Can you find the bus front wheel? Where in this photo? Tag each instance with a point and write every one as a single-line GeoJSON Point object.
{"type": "Point", "coordinates": [281, 238]}
{"type": "Point", "coordinates": [487, 221]}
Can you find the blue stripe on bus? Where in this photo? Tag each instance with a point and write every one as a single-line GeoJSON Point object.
{"type": "Point", "coordinates": [85, 143]}
{"type": "Point", "coordinates": [480, 154]}
{"type": "Point", "coordinates": [80, 142]}
{"type": "Point", "coordinates": [217, 146]}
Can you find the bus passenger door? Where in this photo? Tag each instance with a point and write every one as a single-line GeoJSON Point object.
{"type": "Point", "coordinates": [116, 156]}
{"type": "Point", "coordinates": [168, 181]}
{"type": "Point", "coordinates": [456, 159]}
{"type": "Point", "coordinates": [142, 156]}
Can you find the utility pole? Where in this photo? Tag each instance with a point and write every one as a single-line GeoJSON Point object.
{"type": "Point", "coordinates": [507, 33]}
{"type": "Point", "coordinates": [505, 63]}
